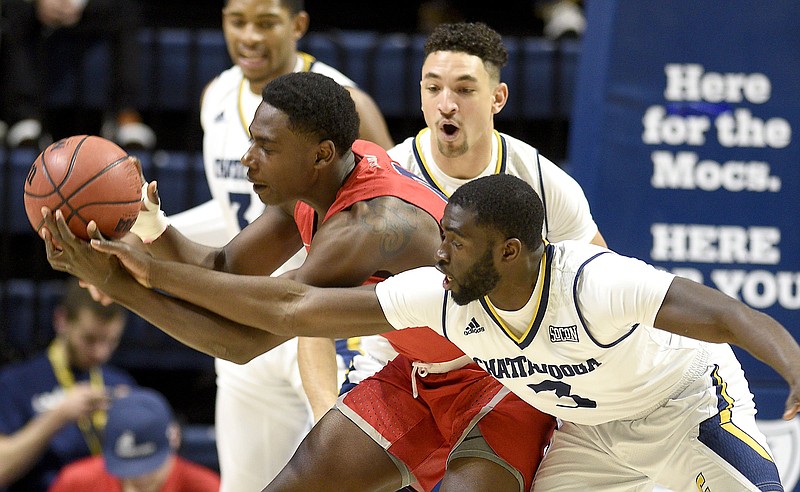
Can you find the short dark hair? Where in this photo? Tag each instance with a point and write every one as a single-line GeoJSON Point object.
{"type": "Point", "coordinates": [505, 203]}
{"type": "Point", "coordinates": [473, 38]}
{"type": "Point", "coordinates": [315, 105]}
{"type": "Point", "coordinates": [76, 298]}
{"type": "Point", "coordinates": [293, 6]}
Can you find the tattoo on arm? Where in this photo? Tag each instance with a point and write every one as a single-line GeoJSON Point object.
{"type": "Point", "coordinates": [396, 225]}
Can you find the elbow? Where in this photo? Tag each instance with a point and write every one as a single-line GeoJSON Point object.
{"type": "Point", "coordinates": [237, 355]}
{"type": "Point", "coordinates": [7, 476]}
{"type": "Point", "coordinates": [248, 349]}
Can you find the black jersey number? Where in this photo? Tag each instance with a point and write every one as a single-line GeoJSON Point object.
{"type": "Point", "coordinates": [242, 203]}
{"type": "Point", "coordinates": [564, 392]}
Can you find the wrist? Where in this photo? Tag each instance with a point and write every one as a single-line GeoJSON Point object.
{"type": "Point", "coordinates": [151, 222]}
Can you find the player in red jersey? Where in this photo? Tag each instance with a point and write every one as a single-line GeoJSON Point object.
{"type": "Point", "coordinates": [431, 409]}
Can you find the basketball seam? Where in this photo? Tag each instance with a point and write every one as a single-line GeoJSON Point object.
{"type": "Point", "coordinates": [75, 212]}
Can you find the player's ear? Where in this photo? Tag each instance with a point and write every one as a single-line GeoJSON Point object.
{"type": "Point", "coordinates": [511, 249]}
{"type": "Point", "coordinates": [499, 97]}
{"type": "Point", "coordinates": [326, 154]}
{"type": "Point", "coordinates": [300, 24]}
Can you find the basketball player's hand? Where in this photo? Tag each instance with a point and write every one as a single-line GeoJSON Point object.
{"type": "Point", "coordinates": [792, 404]}
{"type": "Point", "coordinates": [152, 194]}
{"type": "Point", "coordinates": [136, 262]}
{"type": "Point", "coordinates": [97, 294]}
{"type": "Point", "coordinates": [151, 222]}
{"type": "Point", "coordinates": [68, 253]}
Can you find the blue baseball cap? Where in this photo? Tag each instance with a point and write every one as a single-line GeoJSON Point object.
{"type": "Point", "coordinates": [136, 439]}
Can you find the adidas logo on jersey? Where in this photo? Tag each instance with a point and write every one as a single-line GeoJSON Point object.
{"type": "Point", "coordinates": [563, 333]}
{"type": "Point", "coordinates": [473, 327]}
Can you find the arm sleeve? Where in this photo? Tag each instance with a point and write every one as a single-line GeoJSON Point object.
{"type": "Point", "coordinates": [614, 293]}
{"type": "Point", "coordinates": [402, 154]}
{"type": "Point", "coordinates": [568, 213]}
{"type": "Point", "coordinates": [413, 298]}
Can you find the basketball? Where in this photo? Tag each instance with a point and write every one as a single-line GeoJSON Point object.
{"type": "Point", "coordinates": [87, 178]}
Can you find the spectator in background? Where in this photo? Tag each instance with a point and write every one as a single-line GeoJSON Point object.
{"type": "Point", "coordinates": [552, 19]}
{"type": "Point", "coordinates": [562, 18]}
{"type": "Point", "coordinates": [139, 453]}
{"type": "Point", "coordinates": [53, 406]}
{"type": "Point", "coordinates": [32, 28]}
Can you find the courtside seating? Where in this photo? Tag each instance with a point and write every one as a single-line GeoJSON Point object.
{"type": "Point", "coordinates": [86, 87]}
{"type": "Point", "coordinates": [357, 49]}
{"type": "Point", "coordinates": [18, 162]}
{"type": "Point", "coordinates": [167, 64]}
{"type": "Point", "coordinates": [212, 55]}
{"type": "Point", "coordinates": [4, 190]}
{"type": "Point", "coordinates": [27, 326]}
{"type": "Point", "coordinates": [177, 63]}
{"type": "Point", "coordinates": [535, 78]}
{"type": "Point", "coordinates": [28, 305]}
{"type": "Point", "coordinates": [180, 175]}
{"type": "Point", "coordinates": [144, 346]}
{"type": "Point", "coordinates": [199, 444]}
{"type": "Point", "coordinates": [394, 74]}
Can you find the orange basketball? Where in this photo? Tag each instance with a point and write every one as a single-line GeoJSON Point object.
{"type": "Point", "coordinates": [87, 178]}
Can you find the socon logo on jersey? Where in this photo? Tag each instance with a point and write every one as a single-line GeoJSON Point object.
{"type": "Point", "coordinates": [563, 333]}
{"type": "Point", "coordinates": [473, 327]}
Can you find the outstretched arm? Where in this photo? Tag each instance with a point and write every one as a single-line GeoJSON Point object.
{"type": "Point", "coordinates": [229, 303]}
{"type": "Point", "coordinates": [192, 325]}
{"type": "Point", "coordinates": [697, 311]}
{"type": "Point", "coordinates": [273, 304]}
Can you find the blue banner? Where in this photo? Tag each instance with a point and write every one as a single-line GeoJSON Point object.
{"type": "Point", "coordinates": [682, 135]}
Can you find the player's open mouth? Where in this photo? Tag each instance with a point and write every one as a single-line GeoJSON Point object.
{"type": "Point", "coordinates": [448, 131]}
{"type": "Point", "coordinates": [447, 280]}
{"type": "Point", "coordinates": [251, 60]}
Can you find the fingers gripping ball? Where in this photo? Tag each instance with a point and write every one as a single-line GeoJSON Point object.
{"type": "Point", "coordinates": [87, 178]}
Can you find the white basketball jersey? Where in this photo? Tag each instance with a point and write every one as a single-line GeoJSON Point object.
{"type": "Point", "coordinates": [567, 213]}
{"type": "Point", "coordinates": [227, 109]}
{"type": "Point", "coordinates": [586, 351]}
{"type": "Point", "coordinates": [262, 410]}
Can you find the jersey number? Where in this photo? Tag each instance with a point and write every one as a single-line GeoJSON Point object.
{"type": "Point", "coordinates": [562, 390]}
{"type": "Point", "coordinates": [242, 201]}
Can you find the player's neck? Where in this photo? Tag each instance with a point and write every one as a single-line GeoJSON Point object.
{"type": "Point", "coordinates": [518, 281]}
{"type": "Point", "coordinates": [256, 86]}
{"type": "Point", "coordinates": [331, 183]}
{"type": "Point", "coordinates": [467, 165]}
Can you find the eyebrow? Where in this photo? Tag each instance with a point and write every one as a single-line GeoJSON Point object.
{"type": "Point", "coordinates": [237, 13]}
{"type": "Point", "coordinates": [462, 78]}
{"type": "Point", "coordinates": [453, 230]}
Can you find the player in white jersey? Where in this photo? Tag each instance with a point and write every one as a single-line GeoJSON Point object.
{"type": "Point", "coordinates": [262, 410]}
{"type": "Point", "coordinates": [567, 214]}
{"type": "Point", "coordinates": [639, 404]}
{"type": "Point", "coordinates": [634, 361]}
{"type": "Point", "coordinates": [460, 95]}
